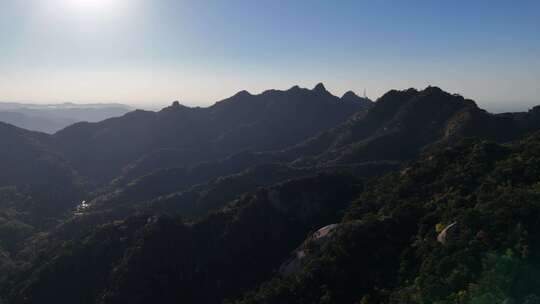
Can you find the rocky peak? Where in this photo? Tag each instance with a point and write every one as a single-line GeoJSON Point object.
{"type": "Point", "coordinates": [320, 89]}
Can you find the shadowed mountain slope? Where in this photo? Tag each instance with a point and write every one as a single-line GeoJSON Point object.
{"type": "Point", "coordinates": [271, 120]}
{"type": "Point", "coordinates": [207, 204]}
{"type": "Point", "coordinates": [399, 126]}
{"type": "Point", "coordinates": [392, 245]}
{"type": "Point", "coordinates": [32, 159]}
{"type": "Point", "coordinates": [209, 254]}
{"type": "Point", "coordinates": [36, 185]}
{"type": "Point", "coordinates": [384, 246]}
{"type": "Point", "coordinates": [403, 123]}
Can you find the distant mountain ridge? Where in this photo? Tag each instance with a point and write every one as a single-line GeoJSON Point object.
{"type": "Point", "coordinates": [397, 128]}
{"type": "Point", "coordinates": [54, 117]}
{"type": "Point", "coordinates": [403, 123]}
{"type": "Point", "coordinates": [213, 201]}
{"type": "Point", "coordinates": [65, 105]}
{"type": "Point", "coordinates": [298, 127]}
{"type": "Point", "coordinates": [270, 120]}
{"type": "Point", "coordinates": [35, 123]}
{"type": "Point", "coordinates": [38, 165]}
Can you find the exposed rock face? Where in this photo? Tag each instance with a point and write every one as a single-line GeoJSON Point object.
{"type": "Point", "coordinates": [310, 245]}
{"type": "Point", "coordinates": [448, 233]}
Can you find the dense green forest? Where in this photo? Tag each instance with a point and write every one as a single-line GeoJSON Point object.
{"type": "Point", "coordinates": [419, 197]}
{"type": "Point", "coordinates": [386, 248]}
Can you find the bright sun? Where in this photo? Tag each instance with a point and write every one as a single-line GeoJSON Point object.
{"type": "Point", "coordinates": [89, 11]}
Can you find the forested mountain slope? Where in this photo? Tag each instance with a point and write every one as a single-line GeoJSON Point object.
{"type": "Point", "coordinates": [458, 226]}
{"type": "Point", "coordinates": [34, 178]}
{"type": "Point", "coordinates": [180, 135]}
{"type": "Point", "coordinates": [207, 205]}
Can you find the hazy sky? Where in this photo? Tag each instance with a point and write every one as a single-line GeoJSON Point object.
{"type": "Point", "coordinates": [144, 51]}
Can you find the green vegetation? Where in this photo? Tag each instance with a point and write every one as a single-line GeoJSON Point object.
{"type": "Point", "coordinates": [162, 258]}
{"type": "Point", "coordinates": [395, 205]}
{"type": "Point", "coordinates": [387, 249]}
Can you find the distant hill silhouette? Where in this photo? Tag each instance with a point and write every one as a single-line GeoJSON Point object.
{"type": "Point", "coordinates": [179, 135]}
{"type": "Point", "coordinates": [52, 118]}
{"type": "Point", "coordinates": [35, 123]}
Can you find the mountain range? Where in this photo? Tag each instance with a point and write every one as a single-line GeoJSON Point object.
{"type": "Point", "coordinates": [179, 135]}
{"type": "Point", "coordinates": [294, 196]}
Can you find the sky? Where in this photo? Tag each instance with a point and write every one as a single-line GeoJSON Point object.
{"type": "Point", "coordinates": [151, 52]}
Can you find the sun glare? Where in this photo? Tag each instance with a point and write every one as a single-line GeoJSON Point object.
{"type": "Point", "coordinates": [91, 5]}
{"type": "Point", "coordinates": [85, 9]}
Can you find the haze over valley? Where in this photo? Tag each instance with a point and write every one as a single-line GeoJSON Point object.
{"type": "Point", "coordinates": [54, 117]}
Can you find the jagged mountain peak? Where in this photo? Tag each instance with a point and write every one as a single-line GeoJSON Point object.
{"type": "Point", "coordinates": [176, 107]}
{"type": "Point", "coordinates": [320, 88]}
{"type": "Point", "coordinates": [282, 118]}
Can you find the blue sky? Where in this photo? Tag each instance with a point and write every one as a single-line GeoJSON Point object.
{"type": "Point", "coordinates": [154, 51]}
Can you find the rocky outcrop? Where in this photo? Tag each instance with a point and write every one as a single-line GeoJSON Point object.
{"type": "Point", "coordinates": [309, 246]}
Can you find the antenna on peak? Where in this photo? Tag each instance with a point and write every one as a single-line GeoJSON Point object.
{"type": "Point", "coordinates": [365, 96]}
